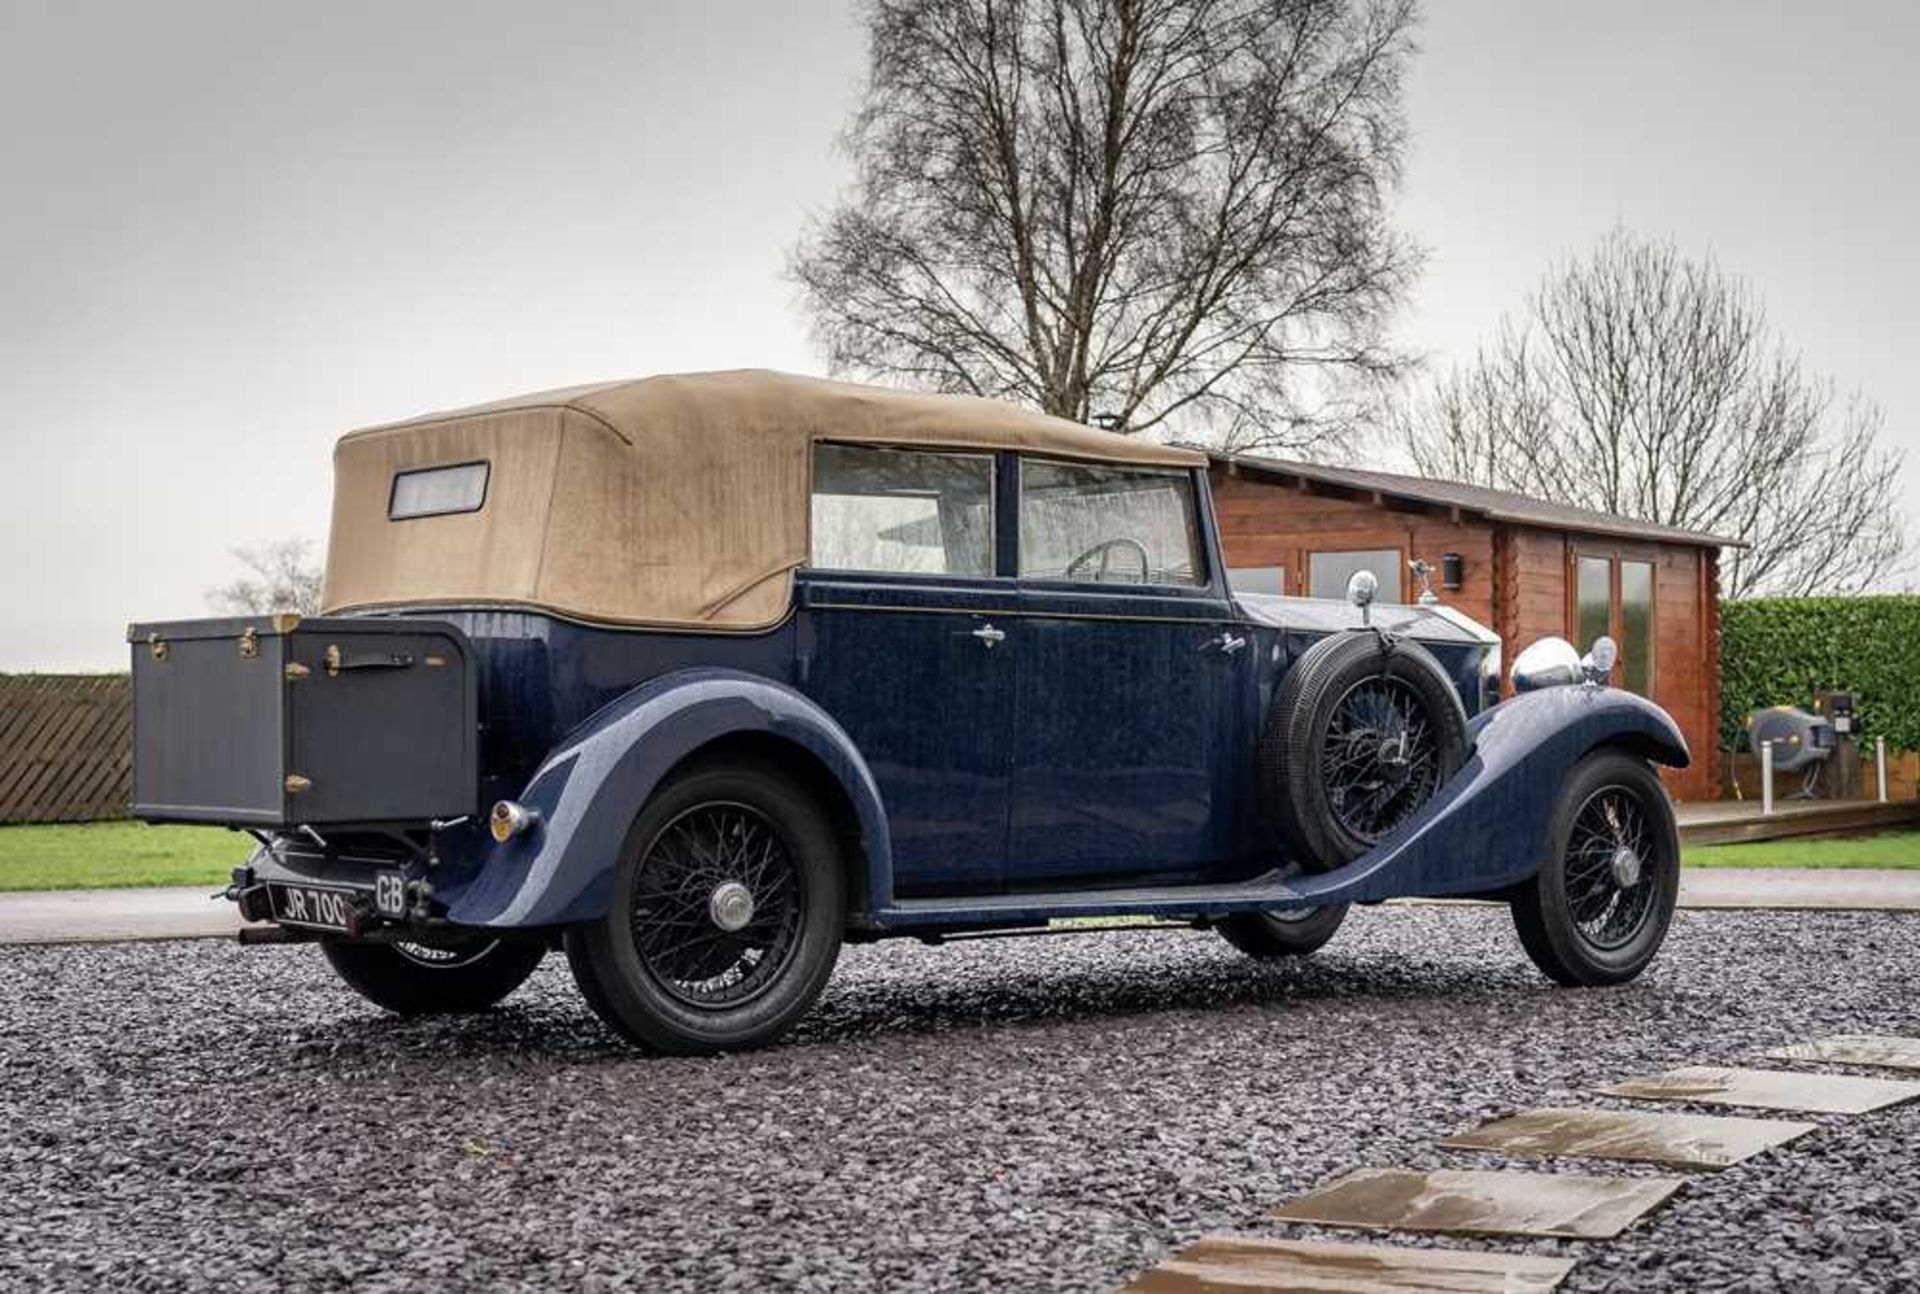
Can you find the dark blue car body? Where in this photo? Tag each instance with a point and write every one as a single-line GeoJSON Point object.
{"type": "Point", "coordinates": [697, 677]}
{"type": "Point", "coordinates": [1099, 759]}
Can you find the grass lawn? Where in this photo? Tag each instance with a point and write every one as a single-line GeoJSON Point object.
{"type": "Point", "coordinates": [114, 855]}
{"type": "Point", "coordinates": [1887, 849]}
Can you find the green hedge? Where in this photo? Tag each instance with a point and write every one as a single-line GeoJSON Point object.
{"type": "Point", "coordinates": [1776, 651]}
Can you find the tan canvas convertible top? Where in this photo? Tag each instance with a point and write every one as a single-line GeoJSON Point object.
{"type": "Point", "coordinates": [677, 501]}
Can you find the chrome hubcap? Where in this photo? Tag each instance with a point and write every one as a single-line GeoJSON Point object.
{"type": "Point", "coordinates": [730, 906]}
{"type": "Point", "coordinates": [1625, 865]}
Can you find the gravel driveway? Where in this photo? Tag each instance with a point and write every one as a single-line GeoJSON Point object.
{"type": "Point", "coordinates": [1047, 1114]}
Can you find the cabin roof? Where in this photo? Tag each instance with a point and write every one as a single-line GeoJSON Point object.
{"type": "Point", "coordinates": [1477, 500]}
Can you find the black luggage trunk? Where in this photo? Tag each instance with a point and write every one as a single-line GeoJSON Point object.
{"type": "Point", "coordinates": [276, 721]}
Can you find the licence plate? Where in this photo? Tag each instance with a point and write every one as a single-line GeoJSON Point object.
{"type": "Point", "coordinates": [319, 906]}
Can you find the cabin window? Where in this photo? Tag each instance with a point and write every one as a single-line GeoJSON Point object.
{"type": "Point", "coordinates": [1615, 596]}
{"type": "Point", "coordinates": [1258, 579]}
{"type": "Point", "coordinates": [1592, 600]}
{"type": "Point", "coordinates": [1636, 627]}
{"type": "Point", "coordinates": [1111, 525]}
{"type": "Point", "coordinates": [1328, 573]}
{"type": "Point", "coordinates": [902, 510]}
{"type": "Point", "coordinates": [437, 491]}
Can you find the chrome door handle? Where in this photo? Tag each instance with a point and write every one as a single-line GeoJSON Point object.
{"type": "Point", "coordinates": [990, 636]}
{"type": "Point", "coordinates": [1229, 644]}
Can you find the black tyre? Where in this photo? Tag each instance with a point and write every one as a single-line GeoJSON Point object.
{"type": "Point", "coordinates": [1364, 729]}
{"type": "Point", "coordinates": [1292, 932]}
{"type": "Point", "coordinates": [1599, 908]}
{"type": "Point", "coordinates": [728, 908]}
{"type": "Point", "coordinates": [446, 977]}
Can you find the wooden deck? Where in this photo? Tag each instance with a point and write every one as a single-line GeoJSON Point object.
{"type": "Point", "coordinates": [1732, 822]}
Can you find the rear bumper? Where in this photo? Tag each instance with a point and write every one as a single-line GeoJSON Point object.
{"type": "Point", "coordinates": [382, 897]}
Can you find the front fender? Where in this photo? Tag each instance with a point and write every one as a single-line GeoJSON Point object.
{"type": "Point", "coordinates": [1487, 827]}
{"type": "Point", "coordinates": [590, 788]}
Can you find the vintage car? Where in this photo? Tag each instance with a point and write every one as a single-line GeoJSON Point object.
{"type": "Point", "coordinates": [697, 677]}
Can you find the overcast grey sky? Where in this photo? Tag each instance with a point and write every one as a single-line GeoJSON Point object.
{"type": "Point", "coordinates": [231, 231]}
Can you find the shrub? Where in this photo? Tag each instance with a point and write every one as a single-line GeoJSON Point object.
{"type": "Point", "coordinates": [1777, 651]}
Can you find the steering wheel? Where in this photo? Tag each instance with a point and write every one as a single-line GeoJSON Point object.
{"type": "Point", "coordinates": [1103, 551]}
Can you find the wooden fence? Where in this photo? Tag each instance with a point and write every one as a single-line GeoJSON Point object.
{"type": "Point", "coordinates": [66, 747]}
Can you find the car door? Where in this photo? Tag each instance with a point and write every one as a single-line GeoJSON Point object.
{"type": "Point", "coordinates": [903, 639]}
{"type": "Point", "coordinates": [1132, 667]}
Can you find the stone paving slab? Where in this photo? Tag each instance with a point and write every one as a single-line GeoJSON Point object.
{"type": "Point", "coordinates": [1856, 1049]}
{"type": "Point", "coordinates": [1478, 1202]}
{"type": "Point", "coordinates": [1214, 1264]}
{"type": "Point", "coordinates": [1643, 1136]}
{"type": "Point", "coordinates": [1768, 1089]}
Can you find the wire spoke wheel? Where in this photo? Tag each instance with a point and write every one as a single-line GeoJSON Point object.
{"type": "Point", "coordinates": [1600, 905]}
{"type": "Point", "coordinates": [1382, 757]}
{"type": "Point", "coordinates": [1611, 859]}
{"type": "Point", "coordinates": [717, 906]}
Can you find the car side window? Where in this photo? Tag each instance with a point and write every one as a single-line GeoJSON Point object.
{"type": "Point", "coordinates": [902, 510]}
{"type": "Point", "coordinates": [1107, 525]}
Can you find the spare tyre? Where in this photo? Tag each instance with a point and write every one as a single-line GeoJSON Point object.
{"type": "Point", "coordinates": [1364, 729]}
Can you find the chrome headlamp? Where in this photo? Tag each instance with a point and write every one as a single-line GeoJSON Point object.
{"type": "Point", "coordinates": [1550, 662]}
{"type": "Point", "coordinates": [1555, 662]}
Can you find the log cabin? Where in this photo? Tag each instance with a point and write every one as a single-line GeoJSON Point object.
{"type": "Point", "coordinates": [1523, 566]}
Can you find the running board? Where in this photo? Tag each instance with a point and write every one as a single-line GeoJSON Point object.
{"type": "Point", "coordinates": [1071, 926]}
{"type": "Point", "coordinates": [1272, 890]}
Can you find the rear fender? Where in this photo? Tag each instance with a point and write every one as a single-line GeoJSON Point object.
{"type": "Point", "coordinates": [1487, 827]}
{"type": "Point", "coordinates": [589, 790]}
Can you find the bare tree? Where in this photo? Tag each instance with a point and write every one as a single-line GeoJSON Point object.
{"type": "Point", "coordinates": [1138, 212]}
{"type": "Point", "coordinates": [284, 578]}
{"type": "Point", "coordinates": [1648, 384]}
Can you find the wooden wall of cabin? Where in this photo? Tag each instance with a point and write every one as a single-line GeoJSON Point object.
{"type": "Point", "coordinates": [1683, 681]}
{"type": "Point", "coordinates": [1686, 678]}
{"type": "Point", "coordinates": [1517, 579]}
{"type": "Point", "coordinates": [1538, 600]}
{"type": "Point", "coordinates": [1263, 523]}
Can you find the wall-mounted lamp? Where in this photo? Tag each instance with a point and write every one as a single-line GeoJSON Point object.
{"type": "Point", "coordinates": [1453, 571]}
